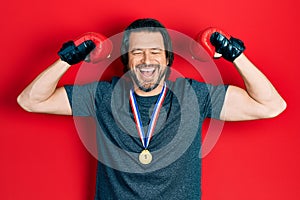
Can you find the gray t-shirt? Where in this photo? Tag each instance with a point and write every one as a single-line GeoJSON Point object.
{"type": "Point", "coordinates": [175, 171]}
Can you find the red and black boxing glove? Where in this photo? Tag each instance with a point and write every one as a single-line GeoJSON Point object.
{"type": "Point", "coordinates": [218, 44]}
{"type": "Point", "coordinates": [90, 47]}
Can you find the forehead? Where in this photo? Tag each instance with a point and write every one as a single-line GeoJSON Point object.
{"type": "Point", "coordinates": [145, 40]}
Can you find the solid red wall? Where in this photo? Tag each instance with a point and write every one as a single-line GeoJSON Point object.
{"type": "Point", "coordinates": [42, 157]}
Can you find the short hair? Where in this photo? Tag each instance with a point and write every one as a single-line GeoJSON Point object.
{"type": "Point", "coordinates": [148, 25]}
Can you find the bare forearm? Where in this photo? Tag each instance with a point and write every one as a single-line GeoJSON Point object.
{"type": "Point", "coordinates": [257, 84]}
{"type": "Point", "coordinates": [43, 86]}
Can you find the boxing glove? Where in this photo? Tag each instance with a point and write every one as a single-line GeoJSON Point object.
{"type": "Point", "coordinates": [229, 48]}
{"type": "Point", "coordinates": [219, 43]}
{"type": "Point", "coordinates": [90, 47]}
{"type": "Point", "coordinates": [103, 47]}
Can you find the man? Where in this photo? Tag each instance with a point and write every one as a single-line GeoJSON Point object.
{"type": "Point", "coordinates": [149, 128]}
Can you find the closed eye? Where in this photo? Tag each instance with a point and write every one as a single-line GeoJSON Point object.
{"type": "Point", "coordinates": [156, 51]}
{"type": "Point", "coordinates": [136, 52]}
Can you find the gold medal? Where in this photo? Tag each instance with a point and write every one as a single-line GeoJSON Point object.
{"type": "Point", "coordinates": [145, 157]}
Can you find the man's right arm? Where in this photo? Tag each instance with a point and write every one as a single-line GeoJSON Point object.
{"type": "Point", "coordinates": [42, 94]}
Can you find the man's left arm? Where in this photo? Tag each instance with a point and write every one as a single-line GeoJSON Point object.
{"type": "Point", "coordinates": [259, 100]}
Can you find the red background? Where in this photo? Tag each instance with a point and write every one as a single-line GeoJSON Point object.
{"type": "Point", "coordinates": [42, 157]}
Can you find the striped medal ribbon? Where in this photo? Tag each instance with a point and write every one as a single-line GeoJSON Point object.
{"type": "Point", "coordinates": [145, 156]}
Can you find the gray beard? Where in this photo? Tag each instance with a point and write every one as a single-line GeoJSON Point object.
{"type": "Point", "coordinates": [148, 89]}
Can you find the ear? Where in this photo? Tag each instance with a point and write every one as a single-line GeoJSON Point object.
{"type": "Point", "coordinates": [167, 58]}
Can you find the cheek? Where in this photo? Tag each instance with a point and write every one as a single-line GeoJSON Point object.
{"type": "Point", "coordinates": [134, 61]}
{"type": "Point", "coordinates": [162, 60]}
{"type": "Point", "coordinates": [131, 63]}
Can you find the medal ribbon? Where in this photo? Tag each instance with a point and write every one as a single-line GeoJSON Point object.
{"type": "Point", "coordinates": [137, 118]}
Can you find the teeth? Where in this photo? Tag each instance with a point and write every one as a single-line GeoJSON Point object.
{"type": "Point", "coordinates": [147, 69]}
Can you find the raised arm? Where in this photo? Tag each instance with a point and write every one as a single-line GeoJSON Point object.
{"type": "Point", "coordinates": [42, 94]}
{"type": "Point", "coordinates": [260, 99]}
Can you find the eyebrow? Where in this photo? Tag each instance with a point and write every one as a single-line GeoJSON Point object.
{"type": "Point", "coordinates": [140, 49]}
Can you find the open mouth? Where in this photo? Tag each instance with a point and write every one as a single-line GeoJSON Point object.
{"type": "Point", "coordinates": [148, 71]}
{"type": "Point", "coordinates": [147, 77]}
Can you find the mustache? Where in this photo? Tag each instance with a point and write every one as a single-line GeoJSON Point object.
{"type": "Point", "coordinates": [147, 65]}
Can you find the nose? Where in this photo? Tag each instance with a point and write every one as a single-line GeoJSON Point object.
{"type": "Point", "coordinates": [146, 57]}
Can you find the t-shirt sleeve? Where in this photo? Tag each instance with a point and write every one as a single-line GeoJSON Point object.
{"type": "Point", "coordinates": [210, 98]}
{"type": "Point", "coordinates": [82, 98]}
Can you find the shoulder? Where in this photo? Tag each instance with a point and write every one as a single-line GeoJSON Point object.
{"type": "Point", "coordinates": [187, 83]}
{"type": "Point", "coordinates": [96, 88]}
{"type": "Point", "coordinates": [188, 86]}
{"type": "Point", "coordinates": [105, 86]}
